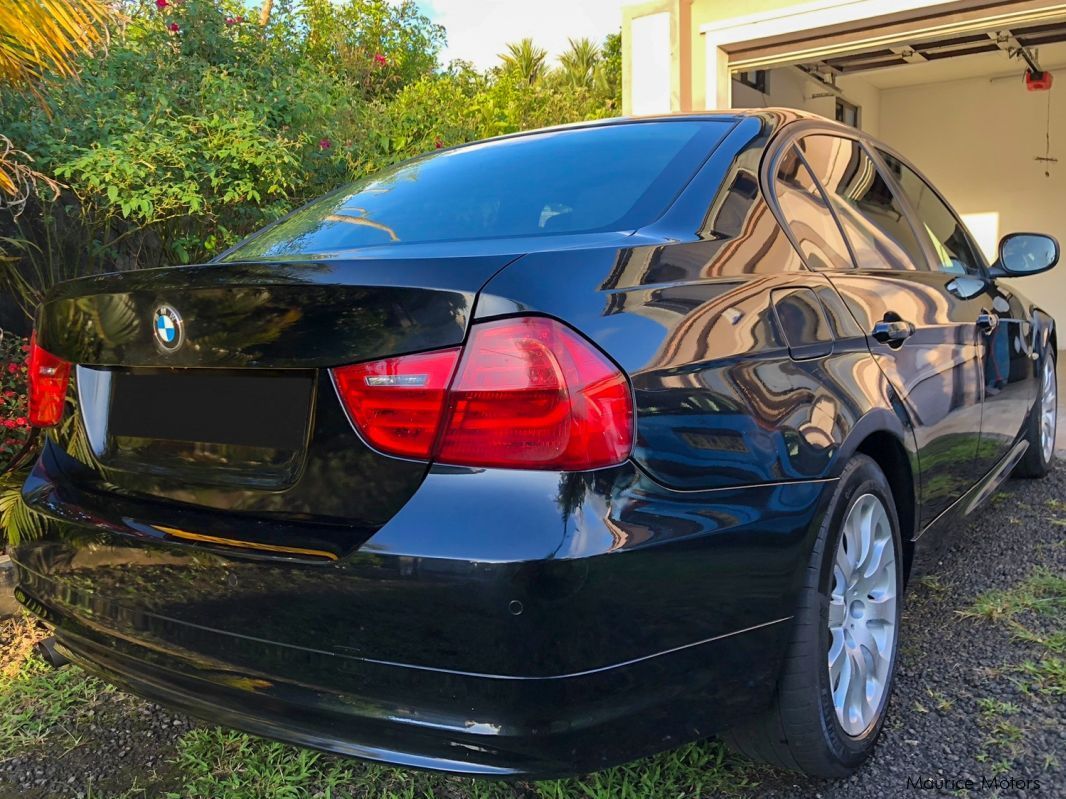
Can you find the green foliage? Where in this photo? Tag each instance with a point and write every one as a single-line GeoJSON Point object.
{"type": "Point", "coordinates": [378, 46]}
{"type": "Point", "coordinates": [184, 168]}
{"type": "Point", "coordinates": [35, 700]}
{"type": "Point", "coordinates": [197, 126]}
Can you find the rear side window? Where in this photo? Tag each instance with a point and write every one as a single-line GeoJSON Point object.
{"type": "Point", "coordinates": [870, 213]}
{"type": "Point", "coordinates": [809, 218]}
{"type": "Point", "coordinates": [955, 251]}
{"type": "Point", "coordinates": [614, 177]}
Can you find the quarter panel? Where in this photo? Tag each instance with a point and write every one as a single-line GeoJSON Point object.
{"type": "Point", "coordinates": [720, 401]}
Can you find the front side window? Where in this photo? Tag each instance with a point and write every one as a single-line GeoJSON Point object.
{"type": "Point", "coordinates": [872, 217]}
{"type": "Point", "coordinates": [601, 178]}
{"type": "Point", "coordinates": [955, 251]}
{"type": "Point", "coordinates": [807, 215]}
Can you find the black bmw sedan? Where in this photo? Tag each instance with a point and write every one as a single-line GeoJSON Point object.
{"type": "Point", "coordinates": [535, 455]}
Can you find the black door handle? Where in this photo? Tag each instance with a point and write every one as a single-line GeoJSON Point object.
{"type": "Point", "coordinates": [893, 332]}
{"type": "Point", "coordinates": [987, 321]}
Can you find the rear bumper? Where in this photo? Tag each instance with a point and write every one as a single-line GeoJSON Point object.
{"type": "Point", "coordinates": [474, 724]}
{"type": "Point", "coordinates": [645, 619]}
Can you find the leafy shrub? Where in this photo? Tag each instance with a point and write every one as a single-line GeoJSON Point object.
{"type": "Point", "coordinates": [198, 126]}
{"type": "Point", "coordinates": [189, 173]}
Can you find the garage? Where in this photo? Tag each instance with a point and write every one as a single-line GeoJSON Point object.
{"type": "Point", "coordinates": [966, 90]}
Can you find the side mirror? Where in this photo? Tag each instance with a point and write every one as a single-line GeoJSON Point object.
{"type": "Point", "coordinates": [1023, 254]}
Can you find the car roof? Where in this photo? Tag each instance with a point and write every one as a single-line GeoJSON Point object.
{"type": "Point", "coordinates": [773, 119]}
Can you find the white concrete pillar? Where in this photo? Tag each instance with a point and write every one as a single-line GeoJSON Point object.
{"type": "Point", "coordinates": [651, 64]}
{"type": "Point", "coordinates": [718, 80]}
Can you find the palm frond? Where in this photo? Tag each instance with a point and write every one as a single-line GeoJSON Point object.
{"type": "Point", "coordinates": [526, 59]}
{"type": "Point", "coordinates": [16, 522]}
{"type": "Point", "coordinates": [579, 62]}
{"type": "Point", "coordinates": [40, 36]}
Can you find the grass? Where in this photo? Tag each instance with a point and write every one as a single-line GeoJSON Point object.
{"type": "Point", "coordinates": [1035, 612]}
{"type": "Point", "coordinates": [1042, 592]}
{"type": "Point", "coordinates": [1039, 600]}
{"type": "Point", "coordinates": [36, 700]}
{"type": "Point", "coordinates": [933, 583]}
{"type": "Point", "coordinates": [216, 762]}
{"type": "Point", "coordinates": [1044, 676]}
{"type": "Point", "coordinates": [942, 702]}
{"type": "Point", "coordinates": [1002, 735]}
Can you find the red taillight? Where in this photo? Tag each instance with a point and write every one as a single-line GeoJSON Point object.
{"type": "Point", "coordinates": [397, 403]}
{"type": "Point", "coordinates": [48, 377]}
{"type": "Point", "coordinates": [529, 393]}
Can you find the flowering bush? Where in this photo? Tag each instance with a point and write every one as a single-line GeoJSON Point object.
{"type": "Point", "coordinates": [197, 125]}
{"type": "Point", "coordinates": [14, 424]}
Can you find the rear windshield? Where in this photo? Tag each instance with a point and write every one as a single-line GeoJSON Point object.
{"type": "Point", "coordinates": [616, 177]}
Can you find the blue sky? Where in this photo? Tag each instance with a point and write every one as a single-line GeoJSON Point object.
{"type": "Point", "coordinates": [479, 29]}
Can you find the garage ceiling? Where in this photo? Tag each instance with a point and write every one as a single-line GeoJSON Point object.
{"type": "Point", "coordinates": [991, 65]}
{"type": "Point", "coordinates": [999, 44]}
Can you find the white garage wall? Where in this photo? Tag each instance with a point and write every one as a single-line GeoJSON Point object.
{"type": "Point", "coordinates": [858, 92]}
{"type": "Point", "coordinates": [790, 88]}
{"type": "Point", "coordinates": [787, 88]}
{"type": "Point", "coordinates": [977, 140]}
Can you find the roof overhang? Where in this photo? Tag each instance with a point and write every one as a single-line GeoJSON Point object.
{"type": "Point", "coordinates": [830, 28]}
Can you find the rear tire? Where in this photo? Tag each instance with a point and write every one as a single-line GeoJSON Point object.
{"type": "Point", "coordinates": [805, 730]}
{"type": "Point", "coordinates": [1042, 424]}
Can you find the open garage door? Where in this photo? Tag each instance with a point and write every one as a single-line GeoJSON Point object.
{"type": "Point", "coordinates": [949, 91]}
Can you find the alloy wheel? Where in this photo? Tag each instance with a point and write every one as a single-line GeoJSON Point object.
{"type": "Point", "coordinates": [862, 615]}
{"type": "Point", "coordinates": [1048, 409]}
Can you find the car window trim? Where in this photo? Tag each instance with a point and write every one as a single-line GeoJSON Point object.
{"type": "Point", "coordinates": [789, 136]}
{"type": "Point", "coordinates": [982, 262]}
{"type": "Point", "coordinates": [775, 204]}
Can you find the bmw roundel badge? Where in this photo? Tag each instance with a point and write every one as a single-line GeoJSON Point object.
{"type": "Point", "coordinates": [169, 329]}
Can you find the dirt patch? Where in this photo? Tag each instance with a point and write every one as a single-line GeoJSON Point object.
{"type": "Point", "coordinates": [8, 605]}
{"type": "Point", "coordinates": [18, 635]}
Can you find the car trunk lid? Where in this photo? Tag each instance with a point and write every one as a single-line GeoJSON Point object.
{"type": "Point", "coordinates": [242, 415]}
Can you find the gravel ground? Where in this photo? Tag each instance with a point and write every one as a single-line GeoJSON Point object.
{"type": "Point", "coordinates": [939, 723]}
{"type": "Point", "coordinates": [961, 709]}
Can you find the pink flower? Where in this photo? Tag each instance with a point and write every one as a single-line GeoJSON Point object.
{"type": "Point", "coordinates": [161, 4]}
{"type": "Point", "coordinates": [12, 368]}
{"type": "Point", "coordinates": [231, 21]}
{"type": "Point", "coordinates": [239, 20]}
{"type": "Point", "coordinates": [21, 421]}
{"type": "Point", "coordinates": [10, 424]}
{"type": "Point", "coordinates": [380, 60]}
{"type": "Point", "coordinates": [325, 144]}
{"type": "Point", "coordinates": [174, 27]}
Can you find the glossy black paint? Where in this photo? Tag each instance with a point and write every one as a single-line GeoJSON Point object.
{"type": "Point", "coordinates": [513, 622]}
